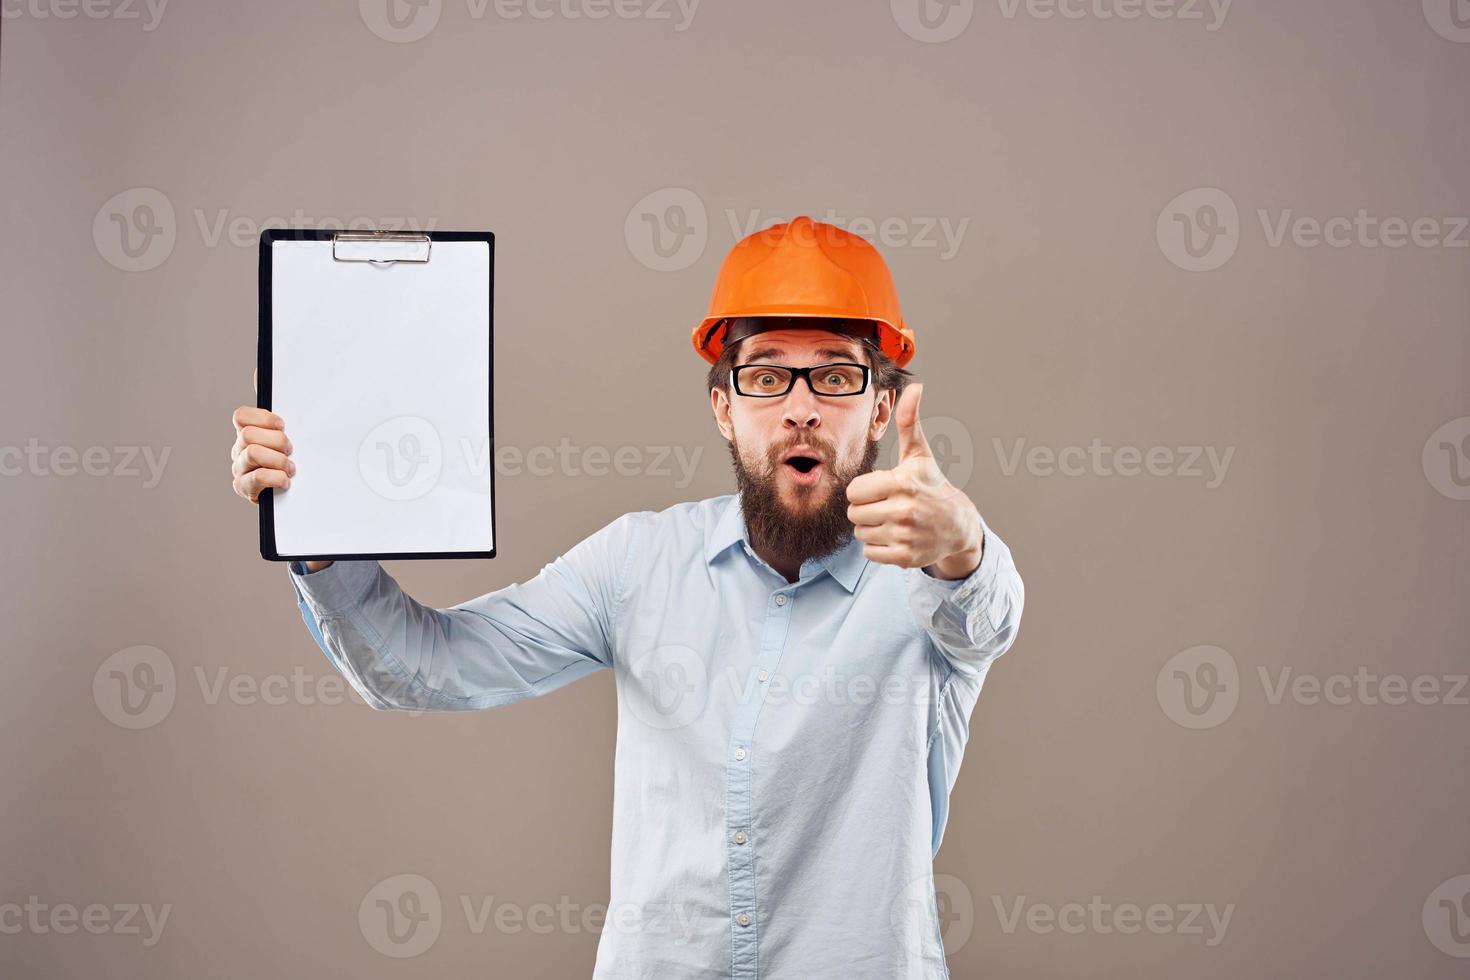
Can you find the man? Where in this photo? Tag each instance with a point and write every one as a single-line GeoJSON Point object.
{"type": "Point", "coordinates": [796, 664]}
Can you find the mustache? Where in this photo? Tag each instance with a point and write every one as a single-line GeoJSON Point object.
{"type": "Point", "coordinates": [822, 450]}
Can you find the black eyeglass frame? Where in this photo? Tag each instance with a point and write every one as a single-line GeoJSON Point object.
{"type": "Point", "coordinates": [796, 373]}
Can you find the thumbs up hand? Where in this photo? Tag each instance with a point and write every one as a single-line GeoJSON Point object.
{"type": "Point", "coordinates": [911, 515]}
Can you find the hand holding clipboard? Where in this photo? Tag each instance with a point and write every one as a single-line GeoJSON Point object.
{"type": "Point", "coordinates": [377, 347]}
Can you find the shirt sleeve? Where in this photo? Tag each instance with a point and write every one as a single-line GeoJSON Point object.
{"type": "Point", "coordinates": [971, 620]}
{"type": "Point", "coordinates": [519, 642]}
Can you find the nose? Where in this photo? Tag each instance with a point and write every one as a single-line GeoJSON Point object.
{"type": "Point", "coordinates": [801, 409]}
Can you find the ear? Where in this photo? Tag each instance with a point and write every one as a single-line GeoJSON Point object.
{"type": "Point", "coordinates": [882, 414]}
{"type": "Point", "coordinates": [720, 403]}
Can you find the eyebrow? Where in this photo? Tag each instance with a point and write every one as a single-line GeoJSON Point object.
{"type": "Point", "coordinates": [846, 353]}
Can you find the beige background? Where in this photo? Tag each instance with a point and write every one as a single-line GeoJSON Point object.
{"type": "Point", "coordinates": [1060, 319]}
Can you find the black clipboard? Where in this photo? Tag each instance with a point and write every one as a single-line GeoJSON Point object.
{"type": "Point", "coordinates": [381, 249]}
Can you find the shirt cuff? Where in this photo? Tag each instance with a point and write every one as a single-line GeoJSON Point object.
{"type": "Point", "coordinates": [976, 591]}
{"type": "Point", "coordinates": [989, 562]}
{"type": "Point", "coordinates": [337, 588]}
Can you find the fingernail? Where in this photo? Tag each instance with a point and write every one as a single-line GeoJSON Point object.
{"type": "Point", "coordinates": [290, 467]}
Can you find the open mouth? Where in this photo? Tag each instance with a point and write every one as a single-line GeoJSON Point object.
{"type": "Point", "coordinates": [803, 464]}
{"type": "Point", "coordinates": [803, 468]}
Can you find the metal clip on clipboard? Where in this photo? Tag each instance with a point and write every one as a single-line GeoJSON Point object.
{"type": "Point", "coordinates": [381, 248]}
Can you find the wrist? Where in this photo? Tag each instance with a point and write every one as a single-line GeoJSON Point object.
{"type": "Point", "coordinates": [961, 564]}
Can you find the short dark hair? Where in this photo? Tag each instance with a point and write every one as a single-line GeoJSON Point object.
{"type": "Point", "coordinates": [885, 373]}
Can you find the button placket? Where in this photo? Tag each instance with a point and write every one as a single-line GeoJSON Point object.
{"type": "Point", "coordinates": [739, 802]}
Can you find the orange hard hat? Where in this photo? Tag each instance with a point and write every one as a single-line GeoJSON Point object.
{"type": "Point", "coordinates": [804, 270]}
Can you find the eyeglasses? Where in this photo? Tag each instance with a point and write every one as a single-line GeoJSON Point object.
{"type": "Point", "coordinates": [837, 380]}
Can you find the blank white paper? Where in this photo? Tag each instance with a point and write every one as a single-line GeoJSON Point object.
{"type": "Point", "coordinates": [382, 376]}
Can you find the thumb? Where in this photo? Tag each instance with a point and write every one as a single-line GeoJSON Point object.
{"type": "Point", "coordinates": [911, 441]}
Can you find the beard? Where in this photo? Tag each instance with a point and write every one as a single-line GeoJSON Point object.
{"type": "Point", "coordinates": [811, 530]}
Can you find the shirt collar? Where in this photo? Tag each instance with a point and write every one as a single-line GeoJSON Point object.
{"type": "Point", "coordinates": [845, 565]}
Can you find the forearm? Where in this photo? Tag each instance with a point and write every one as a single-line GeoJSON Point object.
{"type": "Point", "coordinates": [374, 633]}
{"type": "Point", "coordinates": [520, 641]}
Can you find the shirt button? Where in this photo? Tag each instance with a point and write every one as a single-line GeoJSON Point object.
{"type": "Point", "coordinates": [743, 919]}
{"type": "Point", "coordinates": [764, 675]}
{"type": "Point", "coordinates": [739, 755]}
{"type": "Point", "coordinates": [780, 600]}
{"type": "Point", "coordinates": [740, 837]}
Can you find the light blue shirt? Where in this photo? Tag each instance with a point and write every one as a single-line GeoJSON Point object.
{"type": "Point", "coordinates": [785, 751]}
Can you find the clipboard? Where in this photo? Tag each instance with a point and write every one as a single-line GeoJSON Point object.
{"type": "Point", "coordinates": [376, 348]}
